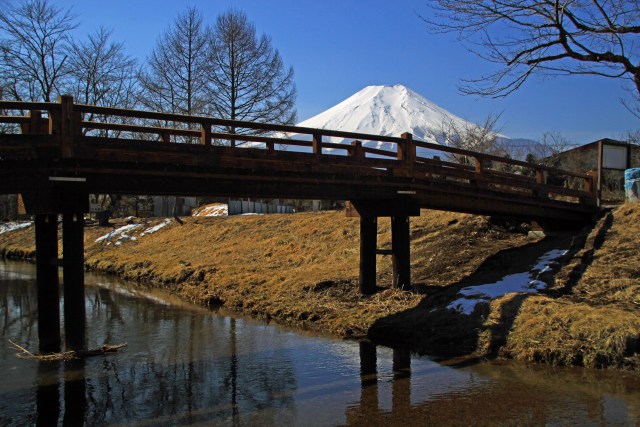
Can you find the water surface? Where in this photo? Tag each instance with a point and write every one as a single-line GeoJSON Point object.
{"type": "Point", "coordinates": [189, 365]}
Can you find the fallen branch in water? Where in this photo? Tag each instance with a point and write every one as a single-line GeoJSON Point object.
{"type": "Point", "coordinates": [101, 350]}
{"type": "Point", "coordinates": [67, 355]}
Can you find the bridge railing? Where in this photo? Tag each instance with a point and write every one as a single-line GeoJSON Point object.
{"type": "Point", "coordinates": [411, 158]}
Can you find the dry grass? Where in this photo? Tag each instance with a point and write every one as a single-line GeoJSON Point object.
{"type": "Point", "coordinates": [613, 277]}
{"type": "Point", "coordinates": [569, 333]}
{"type": "Point", "coordinates": [302, 269]}
{"type": "Point", "coordinates": [18, 244]}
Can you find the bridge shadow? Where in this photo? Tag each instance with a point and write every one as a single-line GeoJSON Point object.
{"type": "Point", "coordinates": [586, 244]}
{"type": "Point", "coordinates": [436, 327]}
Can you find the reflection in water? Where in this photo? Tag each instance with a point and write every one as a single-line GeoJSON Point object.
{"type": "Point", "coordinates": [47, 393]}
{"type": "Point", "coordinates": [187, 365]}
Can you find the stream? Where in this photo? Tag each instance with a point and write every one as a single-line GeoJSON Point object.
{"type": "Point", "coordinates": [188, 365]}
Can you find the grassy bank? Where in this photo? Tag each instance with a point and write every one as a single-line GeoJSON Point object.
{"type": "Point", "coordinates": [302, 269]}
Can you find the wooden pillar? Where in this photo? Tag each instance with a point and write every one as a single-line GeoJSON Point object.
{"type": "Point", "coordinates": [47, 283]}
{"type": "Point", "coordinates": [401, 252]}
{"type": "Point", "coordinates": [368, 247]}
{"type": "Point", "coordinates": [73, 275]}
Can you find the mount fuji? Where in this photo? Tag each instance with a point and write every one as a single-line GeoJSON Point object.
{"type": "Point", "coordinates": [388, 111]}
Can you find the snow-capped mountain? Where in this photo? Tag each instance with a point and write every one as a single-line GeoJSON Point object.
{"type": "Point", "coordinates": [388, 111]}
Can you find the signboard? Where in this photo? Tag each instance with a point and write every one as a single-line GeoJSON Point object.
{"type": "Point", "coordinates": [94, 208]}
{"type": "Point", "coordinates": [614, 157]}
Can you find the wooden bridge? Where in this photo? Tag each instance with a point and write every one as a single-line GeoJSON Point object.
{"type": "Point", "coordinates": [56, 154]}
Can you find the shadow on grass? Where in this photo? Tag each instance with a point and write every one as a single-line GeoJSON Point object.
{"type": "Point", "coordinates": [589, 244]}
{"type": "Point", "coordinates": [433, 328]}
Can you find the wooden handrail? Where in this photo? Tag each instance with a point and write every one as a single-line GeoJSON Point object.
{"type": "Point", "coordinates": [26, 105]}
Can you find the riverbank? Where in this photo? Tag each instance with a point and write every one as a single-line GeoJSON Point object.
{"type": "Point", "coordinates": [302, 269]}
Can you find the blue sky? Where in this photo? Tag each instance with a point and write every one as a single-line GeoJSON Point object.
{"type": "Point", "coordinates": [338, 47]}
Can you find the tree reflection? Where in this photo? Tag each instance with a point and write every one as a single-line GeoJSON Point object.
{"type": "Point", "coordinates": [179, 367]}
{"type": "Point", "coordinates": [188, 366]}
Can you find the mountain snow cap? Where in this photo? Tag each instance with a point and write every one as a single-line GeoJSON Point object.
{"type": "Point", "coordinates": [388, 111]}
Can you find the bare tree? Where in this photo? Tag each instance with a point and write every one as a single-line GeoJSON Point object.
{"type": "Point", "coordinates": [568, 37]}
{"type": "Point", "coordinates": [482, 138]}
{"type": "Point", "coordinates": [632, 137]}
{"type": "Point", "coordinates": [34, 34]}
{"type": "Point", "coordinates": [178, 69]}
{"type": "Point", "coordinates": [547, 150]}
{"type": "Point", "coordinates": [249, 81]}
{"type": "Point", "coordinates": [100, 72]}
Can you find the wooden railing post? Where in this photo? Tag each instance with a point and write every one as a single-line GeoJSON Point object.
{"type": "Point", "coordinates": [271, 146]}
{"type": "Point", "coordinates": [36, 124]}
{"type": "Point", "coordinates": [407, 153]}
{"type": "Point", "coordinates": [206, 134]}
{"type": "Point", "coordinates": [541, 181]}
{"type": "Point", "coordinates": [67, 124]}
{"type": "Point", "coordinates": [481, 177]}
{"type": "Point", "coordinates": [479, 165]}
{"type": "Point", "coordinates": [407, 150]}
{"type": "Point", "coordinates": [356, 150]}
{"type": "Point", "coordinates": [166, 137]}
{"type": "Point", "coordinates": [317, 144]}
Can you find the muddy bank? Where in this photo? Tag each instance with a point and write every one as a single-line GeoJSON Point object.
{"type": "Point", "coordinates": [302, 269]}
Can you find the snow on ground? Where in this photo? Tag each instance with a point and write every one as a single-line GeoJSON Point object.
{"type": "Point", "coordinates": [152, 230]}
{"type": "Point", "coordinates": [12, 226]}
{"type": "Point", "coordinates": [120, 233]}
{"type": "Point", "coordinates": [214, 209]}
{"type": "Point", "coordinates": [520, 282]}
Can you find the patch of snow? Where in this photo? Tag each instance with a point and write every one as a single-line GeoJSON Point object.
{"type": "Point", "coordinates": [121, 233]}
{"type": "Point", "coordinates": [215, 209]}
{"type": "Point", "coordinates": [12, 226]}
{"type": "Point", "coordinates": [520, 282]}
{"type": "Point", "coordinates": [152, 230]}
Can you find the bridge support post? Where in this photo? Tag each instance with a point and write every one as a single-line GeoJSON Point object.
{"type": "Point", "coordinates": [401, 252]}
{"type": "Point", "coordinates": [73, 273]}
{"type": "Point", "coordinates": [68, 196]}
{"type": "Point", "coordinates": [368, 249]}
{"type": "Point", "coordinates": [369, 211]}
{"type": "Point", "coordinates": [47, 283]}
